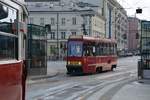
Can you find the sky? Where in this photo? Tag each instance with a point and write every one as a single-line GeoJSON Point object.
{"type": "Point", "coordinates": [131, 6]}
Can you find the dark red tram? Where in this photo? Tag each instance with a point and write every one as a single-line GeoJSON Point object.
{"type": "Point", "coordinates": [90, 54]}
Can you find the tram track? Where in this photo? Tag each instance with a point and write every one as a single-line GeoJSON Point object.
{"type": "Point", "coordinates": [81, 90]}
{"type": "Point", "coordinates": [107, 90]}
{"type": "Point", "coordinates": [99, 88]}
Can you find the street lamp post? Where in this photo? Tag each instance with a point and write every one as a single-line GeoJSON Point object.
{"type": "Point", "coordinates": [90, 26]}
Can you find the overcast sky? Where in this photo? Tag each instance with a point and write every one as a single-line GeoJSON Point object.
{"type": "Point", "coordinates": [132, 5]}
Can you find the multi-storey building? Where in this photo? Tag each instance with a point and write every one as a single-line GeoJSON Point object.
{"type": "Point", "coordinates": [133, 33]}
{"type": "Point", "coordinates": [116, 23]}
{"type": "Point", "coordinates": [65, 18]}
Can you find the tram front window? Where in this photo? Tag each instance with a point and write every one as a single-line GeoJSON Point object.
{"type": "Point", "coordinates": [75, 48]}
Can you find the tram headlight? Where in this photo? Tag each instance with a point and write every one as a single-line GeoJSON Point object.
{"type": "Point", "coordinates": [69, 62]}
{"type": "Point", "coordinates": [74, 63]}
{"type": "Point", "coordinates": [79, 63]}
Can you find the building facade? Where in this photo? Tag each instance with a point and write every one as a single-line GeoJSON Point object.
{"type": "Point", "coordinates": [116, 23]}
{"type": "Point", "coordinates": [65, 20]}
{"type": "Point", "coordinates": [133, 33]}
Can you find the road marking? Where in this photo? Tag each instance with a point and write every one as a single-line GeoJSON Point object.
{"type": "Point", "coordinates": [43, 93]}
{"type": "Point", "coordinates": [115, 74]}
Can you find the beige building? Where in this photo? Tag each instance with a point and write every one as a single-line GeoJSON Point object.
{"type": "Point", "coordinates": [65, 20]}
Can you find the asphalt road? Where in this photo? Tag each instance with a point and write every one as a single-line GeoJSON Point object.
{"type": "Point", "coordinates": [102, 86]}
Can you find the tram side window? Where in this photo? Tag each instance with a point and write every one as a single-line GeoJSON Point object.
{"type": "Point", "coordinates": [8, 19]}
{"type": "Point", "coordinates": [98, 49]}
{"type": "Point", "coordinates": [110, 49]}
{"type": "Point", "coordinates": [101, 49]}
{"type": "Point", "coordinates": [107, 46]}
{"type": "Point", "coordinates": [8, 47]}
{"type": "Point", "coordinates": [104, 49]}
{"type": "Point", "coordinates": [114, 49]}
{"type": "Point", "coordinates": [107, 49]}
{"type": "Point", "coordinates": [89, 50]}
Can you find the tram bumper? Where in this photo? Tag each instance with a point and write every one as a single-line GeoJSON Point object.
{"type": "Point", "coordinates": [74, 69]}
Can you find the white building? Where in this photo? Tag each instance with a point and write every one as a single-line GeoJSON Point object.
{"type": "Point", "coordinates": [65, 19]}
{"type": "Point", "coordinates": [116, 23]}
{"type": "Point", "coordinates": [116, 20]}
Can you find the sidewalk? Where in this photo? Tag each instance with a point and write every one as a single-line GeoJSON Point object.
{"type": "Point", "coordinates": [137, 90]}
{"type": "Point", "coordinates": [53, 69]}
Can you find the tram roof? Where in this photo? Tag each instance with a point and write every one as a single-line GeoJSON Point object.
{"type": "Point", "coordinates": [91, 39]}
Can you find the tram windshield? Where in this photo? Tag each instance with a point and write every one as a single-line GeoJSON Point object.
{"type": "Point", "coordinates": [75, 48]}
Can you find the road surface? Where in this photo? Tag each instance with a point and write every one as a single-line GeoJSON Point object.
{"type": "Point", "coordinates": [102, 86]}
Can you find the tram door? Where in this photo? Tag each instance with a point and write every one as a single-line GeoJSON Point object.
{"type": "Point", "coordinates": [145, 49]}
{"type": "Point", "coordinates": [37, 52]}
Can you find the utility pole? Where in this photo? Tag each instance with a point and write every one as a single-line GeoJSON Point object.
{"type": "Point", "coordinates": [57, 55]}
{"type": "Point", "coordinates": [84, 16]}
{"type": "Point", "coordinates": [90, 26]}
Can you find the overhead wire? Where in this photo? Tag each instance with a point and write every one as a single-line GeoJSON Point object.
{"type": "Point", "coordinates": [137, 2]}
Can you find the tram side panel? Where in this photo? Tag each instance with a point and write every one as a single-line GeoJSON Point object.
{"type": "Point", "coordinates": [11, 75]}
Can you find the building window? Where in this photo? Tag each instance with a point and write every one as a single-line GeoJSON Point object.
{"type": "Point", "coordinates": [42, 21]}
{"type": "Point", "coordinates": [31, 20]}
{"type": "Point", "coordinates": [63, 35]}
{"type": "Point", "coordinates": [85, 20]}
{"type": "Point", "coordinates": [53, 49]}
{"type": "Point", "coordinates": [52, 21]}
{"type": "Point", "coordinates": [63, 21]}
{"type": "Point", "coordinates": [52, 35]}
{"type": "Point", "coordinates": [74, 21]}
{"type": "Point", "coordinates": [73, 33]}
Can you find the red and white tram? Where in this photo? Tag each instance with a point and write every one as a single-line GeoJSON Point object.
{"type": "Point", "coordinates": [90, 54]}
{"type": "Point", "coordinates": [13, 15]}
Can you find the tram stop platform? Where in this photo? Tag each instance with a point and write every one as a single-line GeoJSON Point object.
{"type": "Point", "coordinates": [137, 90]}
{"type": "Point", "coordinates": [54, 68]}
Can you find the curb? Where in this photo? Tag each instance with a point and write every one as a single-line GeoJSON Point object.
{"type": "Point", "coordinates": [40, 78]}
